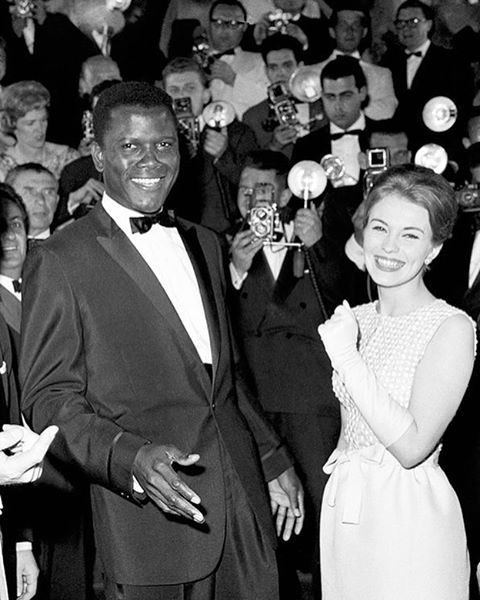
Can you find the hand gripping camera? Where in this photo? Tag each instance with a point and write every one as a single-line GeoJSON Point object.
{"type": "Point", "coordinates": [24, 9]}
{"type": "Point", "coordinates": [263, 217]}
{"type": "Point", "coordinates": [378, 161]}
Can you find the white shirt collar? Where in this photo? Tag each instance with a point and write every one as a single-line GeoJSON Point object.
{"type": "Point", "coordinates": [7, 283]}
{"type": "Point", "coordinates": [359, 124]}
{"type": "Point", "coordinates": [119, 213]}
{"type": "Point", "coordinates": [43, 235]}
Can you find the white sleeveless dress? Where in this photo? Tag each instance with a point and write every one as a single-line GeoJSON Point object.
{"type": "Point", "coordinates": [386, 532]}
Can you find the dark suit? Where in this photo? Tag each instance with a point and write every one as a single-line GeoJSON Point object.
{"type": "Point", "coordinates": [11, 311]}
{"type": "Point", "coordinates": [441, 73]}
{"type": "Point", "coordinates": [257, 115]}
{"type": "Point", "coordinates": [129, 373]}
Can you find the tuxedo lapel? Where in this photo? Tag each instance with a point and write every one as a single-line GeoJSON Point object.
{"type": "Point", "coordinates": [200, 266]}
{"type": "Point", "coordinates": [123, 252]}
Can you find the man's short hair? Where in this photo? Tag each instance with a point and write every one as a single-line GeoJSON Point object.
{"type": "Point", "coordinates": [126, 93]}
{"type": "Point", "coordinates": [344, 66]}
{"type": "Point", "coordinates": [280, 41]}
{"type": "Point", "coordinates": [8, 194]}
{"type": "Point", "coordinates": [13, 174]}
{"type": "Point", "coordinates": [267, 160]}
{"type": "Point", "coordinates": [182, 64]}
{"type": "Point", "coordinates": [350, 5]}
{"type": "Point", "coordinates": [427, 10]}
{"type": "Point", "coordinates": [235, 3]}
{"type": "Point", "coordinates": [103, 85]}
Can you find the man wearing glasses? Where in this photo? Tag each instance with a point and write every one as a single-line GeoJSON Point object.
{"type": "Point", "coordinates": [236, 76]}
{"type": "Point", "coordinates": [421, 71]}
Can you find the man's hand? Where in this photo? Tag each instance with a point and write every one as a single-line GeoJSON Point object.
{"type": "Point", "coordinates": [27, 575]}
{"type": "Point", "coordinates": [283, 135]}
{"type": "Point", "coordinates": [222, 70]}
{"type": "Point", "coordinates": [244, 247]}
{"type": "Point", "coordinates": [92, 190]}
{"type": "Point", "coordinates": [287, 502]}
{"type": "Point", "coordinates": [153, 470]}
{"type": "Point", "coordinates": [295, 31]}
{"type": "Point", "coordinates": [216, 142]}
{"type": "Point", "coordinates": [27, 450]}
{"type": "Point", "coordinates": [308, 225]}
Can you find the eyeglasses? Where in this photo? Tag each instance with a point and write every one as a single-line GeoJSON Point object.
{"type": "Point", "coordinates": [228, 24]}
{"type": "Point", "coordinates": [408, 23]}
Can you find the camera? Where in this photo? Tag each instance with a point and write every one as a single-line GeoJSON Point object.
{"type": "Point", "coordinates": [202, 53]}
{"type": "Point", "coordinates": [468, 197]}
{"type": "Point", "coordinates": [263, 217]}
{"type": "Point", "coordinates": [378, 161]}
{"type": "Point", "coordinates": [282, 103]}
{"type": "Point", "coordinates": [24, 9]}
{"type": "Point", "coordinates": [188, 124]}
{"type": "Point", "coordinates": [278, 21]}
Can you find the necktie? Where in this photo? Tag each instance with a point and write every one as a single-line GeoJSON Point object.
{"type": "Point", "coordinates": [32, 242]}
{"type": "Point", "coordinates": [340, 134]}
{"type": "Point", "coordinates": [144, 224]}
{"type": "Point", "coordinates": [17, 285]}
{"type": "Point", "coordinates": [410, 54]}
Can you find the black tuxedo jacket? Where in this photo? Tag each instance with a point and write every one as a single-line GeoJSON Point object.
{"type": "Point", "coordinates": [441, 73]}
{"type": "Point", "coordinates": [277, 322]}
{"type": "Point", "coordinates": [105, 356]}
{"type": "Point", "coordinates": [316, 144]}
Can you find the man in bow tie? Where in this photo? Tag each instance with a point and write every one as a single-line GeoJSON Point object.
{"type": "Point", "coordinates": [129, 349]}
{"type": "Point", "coordinates": [237, 76]}
{"type": "Point", "coordinates": [275, 312]}
{"type": "Point", "coordinates": [344, 92]}
{"type": "Point", "coordinates": [349, 27]}
{"type": "Point", "coordinates": [422, 70]}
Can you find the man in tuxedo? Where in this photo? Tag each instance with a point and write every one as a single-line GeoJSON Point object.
{"type": "Point", "coordinates": [282, 55]}
{"type": "Point", "coordinates": [276, 312]}
{"type": "Point", "coordinates": [235, 75]}
{"type": "Point", "coordinates": [349, 27]}
{"type": "Point", "coordinates": [344, 91]}
{"type": "Point", "coordinates": [38, 188]}
{"type": "Point", "coordinates": [145, 391]}
{"type": "Point", "coordinates": [421, 71]}
{"type": "Point", "coordinates": [211, 164]}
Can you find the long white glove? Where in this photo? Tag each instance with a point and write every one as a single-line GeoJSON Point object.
{"type": "Point", "coordinates": [385, 417]}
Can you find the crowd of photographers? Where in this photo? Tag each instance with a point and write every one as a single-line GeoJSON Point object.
{"type": "Point", "coordinates": [254, 99]}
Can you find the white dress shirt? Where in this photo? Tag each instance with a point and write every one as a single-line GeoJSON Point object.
{"type": "Point", "coordinates": [347, 148]}
{"type": "Point", "coordinates": [163, 250]}
{"type": "Point", "coordinates": [7, 283]}
{"type": "Point", "coordinates": [251, 82]}
{"type": "Point", "coordinates": [413, 62]}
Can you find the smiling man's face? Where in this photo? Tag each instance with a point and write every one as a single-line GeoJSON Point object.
{"type": "Point", "coordinates": [139, 156]}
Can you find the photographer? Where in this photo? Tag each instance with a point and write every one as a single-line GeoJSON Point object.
{"type": "Point", "coordinates": [276, 311]}
{"type": "Point", "coordinates": [210, 166]}
{"type": "Point", "coordinates": [282, 55]}
{"type": "Point", "coordinates": [288, 19]}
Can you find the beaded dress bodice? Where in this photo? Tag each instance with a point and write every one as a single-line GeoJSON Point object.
{"type": "Point", "coordinates": [392, 347]}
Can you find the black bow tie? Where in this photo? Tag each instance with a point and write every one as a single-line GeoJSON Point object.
{"type": "Point", "coordinates": [418, 53]}
{"type": "Point", "coordinates": [17, 285]}
{"type": "Point", "coordinates": [340, 134]}
{"type": "Point", "coordinates": [144, 224]}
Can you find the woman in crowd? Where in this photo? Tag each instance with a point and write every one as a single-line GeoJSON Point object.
{"type": "Point", "coordinates": [391, 524]}
{"type": "Point", "coordinates": [25, 105]}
